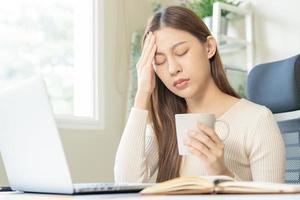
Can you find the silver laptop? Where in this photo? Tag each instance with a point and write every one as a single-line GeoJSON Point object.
{"type": "Point", "coordinates": [31, 148]}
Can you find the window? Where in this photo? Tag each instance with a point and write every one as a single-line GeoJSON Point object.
{"type": "Point", "coordinates": [58, 39]}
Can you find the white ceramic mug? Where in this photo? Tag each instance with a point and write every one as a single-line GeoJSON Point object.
{"type": "Point", "coordinates": [188, 121]}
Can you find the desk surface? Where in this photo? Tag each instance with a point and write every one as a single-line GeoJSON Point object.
{"type": "Point", "coordinates": [28, 196]}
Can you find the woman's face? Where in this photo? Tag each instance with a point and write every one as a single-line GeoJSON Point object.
{"type": "Point", "coordinates": [182, 62]}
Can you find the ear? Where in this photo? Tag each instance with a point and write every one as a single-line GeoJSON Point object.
{"type": "Point", "coordinates": [211, 46]}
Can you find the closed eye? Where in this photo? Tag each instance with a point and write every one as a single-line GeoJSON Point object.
{"type": "Point", "coordinates": [160, 63]}
{"type": "Point", "coordinates": [181, 54]}
{"type": "Point", "coordinates": [159, 59]}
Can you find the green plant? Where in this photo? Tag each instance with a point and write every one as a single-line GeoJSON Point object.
{"type": "Point", "coordinates": [204, 8]}
{"type": "Point", "coordinates": [156, 5]}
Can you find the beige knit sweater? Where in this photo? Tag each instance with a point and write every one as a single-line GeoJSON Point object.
{"type": "Point", "coordinates": [254, 149]}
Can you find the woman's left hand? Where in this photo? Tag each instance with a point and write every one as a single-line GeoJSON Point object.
{"type": "Point", "coordinates": [209, 148]}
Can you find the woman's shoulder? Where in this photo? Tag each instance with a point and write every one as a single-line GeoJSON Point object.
{"type": "Point", "coordinates": [247, 111]}
{"type": "Point", "coordinates": [253, 117]}
{"type": "Point", "coordinates": [254, 108]}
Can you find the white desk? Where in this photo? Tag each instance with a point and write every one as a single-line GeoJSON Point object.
{"type": "Point", "coordinates": [28, 196]}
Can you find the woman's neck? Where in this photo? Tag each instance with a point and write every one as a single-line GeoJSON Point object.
{"type": "Point", "coordinates": [211, 100]}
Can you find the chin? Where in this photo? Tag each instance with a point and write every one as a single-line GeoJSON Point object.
{"type": "Point", "coordinates": [186, 93]}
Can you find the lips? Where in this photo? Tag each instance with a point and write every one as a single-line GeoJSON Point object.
{"type": "Point", "coordinates": [181, 83]}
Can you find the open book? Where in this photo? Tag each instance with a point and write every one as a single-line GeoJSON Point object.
{"type": "Point", "coordinates": [217, 184]}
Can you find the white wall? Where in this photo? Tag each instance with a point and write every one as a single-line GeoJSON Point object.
{"type": "Point", "coordinates": [277, 29]}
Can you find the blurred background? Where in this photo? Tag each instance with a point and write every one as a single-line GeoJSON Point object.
{"type": "Point", "coordinates": [87, 51]}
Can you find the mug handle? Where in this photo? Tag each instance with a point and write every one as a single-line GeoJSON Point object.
{"type": "Point", "coordinates": [228, 129]}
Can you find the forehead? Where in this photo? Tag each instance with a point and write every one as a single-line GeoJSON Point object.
{"type": "Point", "coordinates": [166, 37]}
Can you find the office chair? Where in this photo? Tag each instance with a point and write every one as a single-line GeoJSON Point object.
{"type": "Point", "coordinates": [277, 86]}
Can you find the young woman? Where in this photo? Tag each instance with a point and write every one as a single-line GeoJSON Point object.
{"type": "Point", "coordinates": [180, 71]}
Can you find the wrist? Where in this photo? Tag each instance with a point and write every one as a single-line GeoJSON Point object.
{"type": "Point", "coordinates": [142, 100]}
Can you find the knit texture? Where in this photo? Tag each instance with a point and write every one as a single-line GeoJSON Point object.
{"type": "Point", "coordinates": [254, 149]}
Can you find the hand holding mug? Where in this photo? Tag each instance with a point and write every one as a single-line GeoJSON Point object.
{"type": "Point", "coordinates": [208, 147]}
{"type": "Point", "coordinates": [196, 136]}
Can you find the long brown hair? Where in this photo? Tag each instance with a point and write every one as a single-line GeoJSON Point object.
{"type": "Point", "coordinates": [164, 104]}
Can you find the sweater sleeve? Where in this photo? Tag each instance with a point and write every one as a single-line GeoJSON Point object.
{"type": "Point", "coordinates": [137, 155]}
{"type": "Point", "coordinates": [265, 148]}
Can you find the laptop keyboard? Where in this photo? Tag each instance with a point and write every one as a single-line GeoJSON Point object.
{"type": "Point", "coordinates": [107, 187]}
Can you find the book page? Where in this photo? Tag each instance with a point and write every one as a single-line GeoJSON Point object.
{"type": "Point", "coordinates": [187, 185]}
{"type": "Point", "coordinates": [256, 187]}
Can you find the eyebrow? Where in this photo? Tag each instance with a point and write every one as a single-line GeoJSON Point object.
{"type": "Point", "coordinates": [175, 45]}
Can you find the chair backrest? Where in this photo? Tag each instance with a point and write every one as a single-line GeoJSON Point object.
{"type": "Point", "coordinates": [277, 86]}
{"type": "Point", "coordinates": [290, 130]}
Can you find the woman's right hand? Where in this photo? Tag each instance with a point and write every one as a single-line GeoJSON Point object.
{"type": "Point", "coordinates": [145, 72]}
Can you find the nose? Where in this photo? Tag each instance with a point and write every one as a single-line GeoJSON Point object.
{"type": "Point", "coordinates": [174, 67]}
